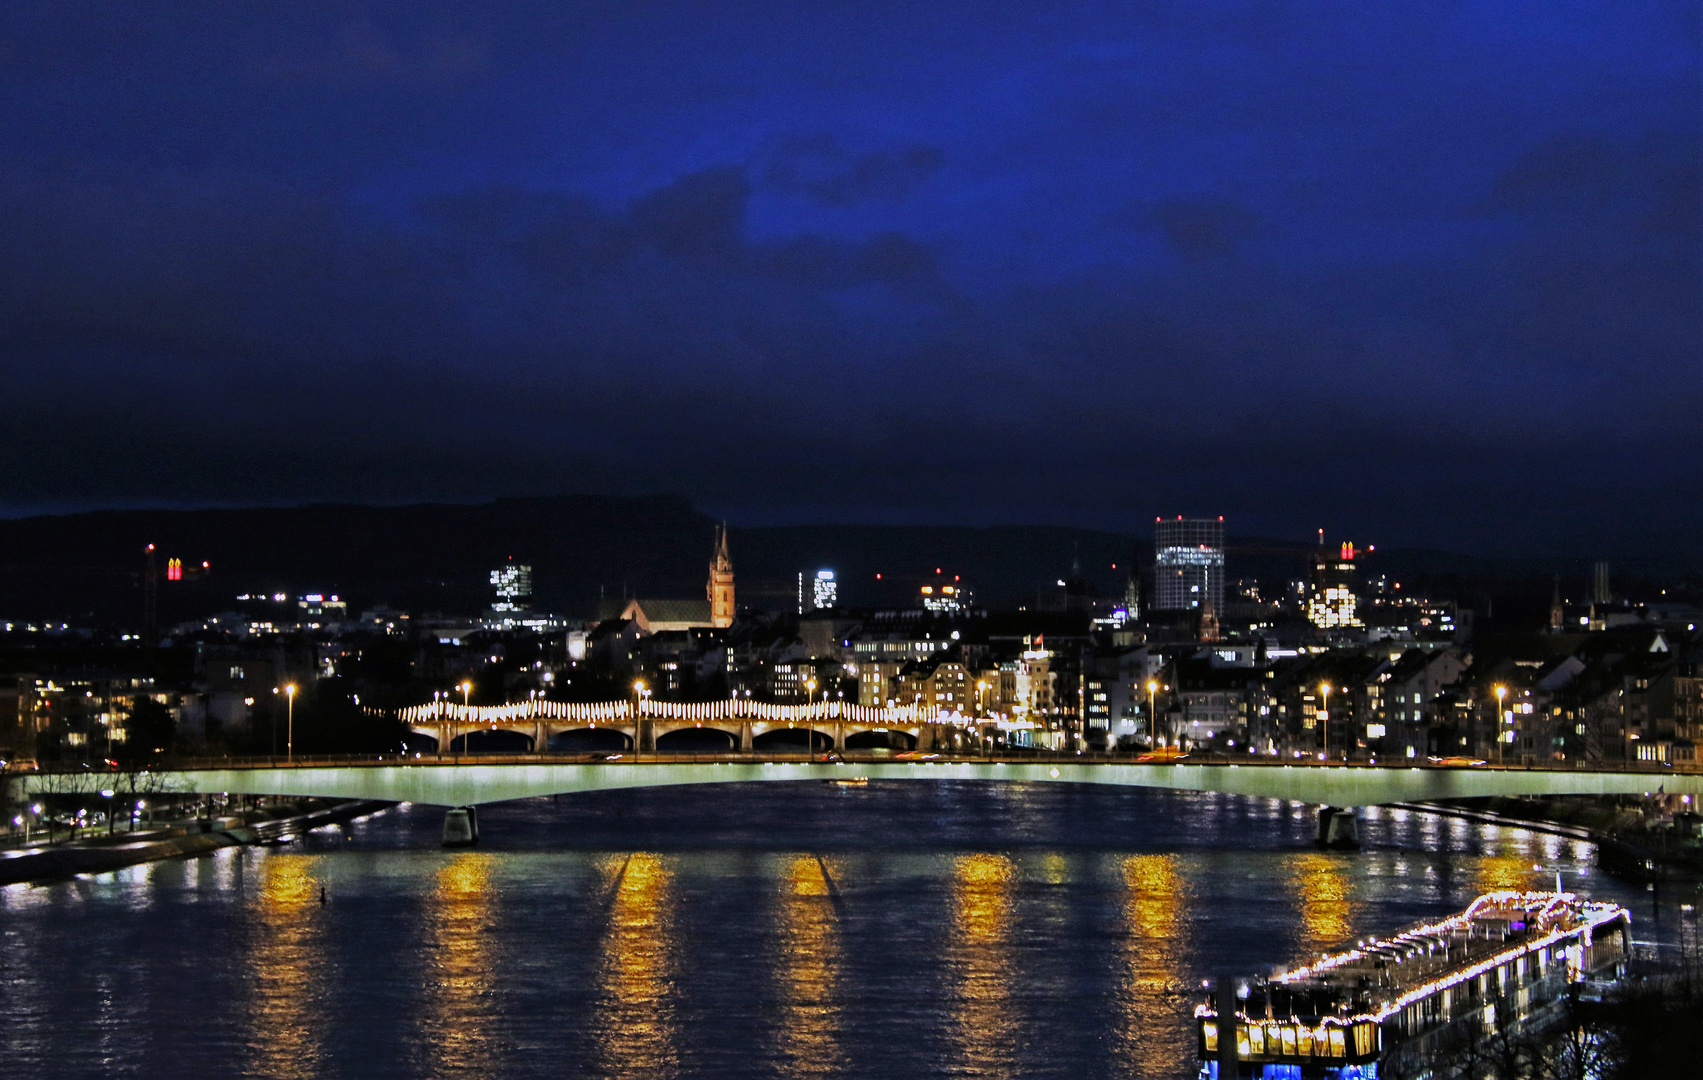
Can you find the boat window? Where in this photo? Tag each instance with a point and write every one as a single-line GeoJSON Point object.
{"type": "Point", "coordinates": [1209, 1029]}
{"type": "Point", "coordinates": [1242, 1041]}
{"type": "Point", "coordinates": [1304, 1042]}
{"type": "Point", "coordinates": [1362, 1039]}
{"type": "Point", "coordinates": [1256, 1039]}
{"type": "Point", "coordinates": [1288, 1040]}
{"type": "Point", "coordinates": [1338, 1044]}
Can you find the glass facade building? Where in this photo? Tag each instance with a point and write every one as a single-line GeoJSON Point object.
{"type": "Point", "coordinates": [1188, 564]}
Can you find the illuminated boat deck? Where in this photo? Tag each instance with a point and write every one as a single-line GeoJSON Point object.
{"type": "Point", "coordinates": [1508, 956]}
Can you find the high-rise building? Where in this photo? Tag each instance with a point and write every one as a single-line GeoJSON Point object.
{"type": "Point", "coordinates": [818, 592]}
{"type": "Point", "coordinates": [1331, 601]}
{"type": "Point", "coordinates": [1600, 592]}
{"type": "Point", "coordinates": [720, 586]}
{"type": "Point", "coordinates": [1188, 564]}
{"type": "Point", "coordinates": [825, 591]}
{"type": "Point", "coordinates": [513, 582]}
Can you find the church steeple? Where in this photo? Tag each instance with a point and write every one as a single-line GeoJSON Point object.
{"type": "Point", "coordinates": [720, 587]}
{"type": "Point", "coordinates": [1557, 614]}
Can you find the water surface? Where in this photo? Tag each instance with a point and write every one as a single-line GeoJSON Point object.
{"type": "Point", "coordinates": [765, 930]}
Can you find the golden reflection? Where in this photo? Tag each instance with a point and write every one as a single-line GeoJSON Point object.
{"type": "Point", "coordinates": [1151, 1041]}
{"type": "Point", "coordinates": [808, 971]}
{"type": "Point", "coordinates": [1327, 914]}
{"type": "Point", "coordinates": [287, 969]}
{"type": "Point", "coordinates": [981, 960]}
{"type": "Point", "coordinates": [460, 1013]}
{"type": "Point", "coordinates": [1503, 872]}
{"type": "Point", "coordinates": [634, 1026]}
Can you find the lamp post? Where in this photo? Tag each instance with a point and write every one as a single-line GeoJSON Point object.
{"type": "Point", "coordinates": [290, 729]}
{"type": "Point", "coordinates": [981, 707]}
{"type": "Point", "coordinates": [638, 707]}
{"type": "Point", "coordinates": [443, 721]}
{"type": "Point", "coordinates": [1501, 695]}
{"type": "Point", "coordinates": [809, 724]}
{"type": "Point", "coordinates": [466, 710]}
{"type": "Point", "coordinates": [1324, 718]}
{"type": "Point", "coordinates": [1152, 721]}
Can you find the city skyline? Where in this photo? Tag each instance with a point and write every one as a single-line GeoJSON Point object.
{"type": "Point", "coordinates": [1149, 538]}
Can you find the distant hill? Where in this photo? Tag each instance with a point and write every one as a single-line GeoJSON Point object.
{"type": "Point", "coordinates": [86, 568]}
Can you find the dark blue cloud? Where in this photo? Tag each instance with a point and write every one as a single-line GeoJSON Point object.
{"type": "Point", "coordinates": [1431, 271]}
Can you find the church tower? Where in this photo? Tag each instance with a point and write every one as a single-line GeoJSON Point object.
{"type": "Point", "coordinates": [720, 588]}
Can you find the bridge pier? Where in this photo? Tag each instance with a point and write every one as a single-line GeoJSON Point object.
{"type": "Point", "coordinates": [461, 827]}
{"type": "Point", "coordinates": [1338, 828]}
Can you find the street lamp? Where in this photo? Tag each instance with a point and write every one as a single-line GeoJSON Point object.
{"type": "Point", "coordinates": [290, 730]}
{"type": "Point", "coordinates": [638, 706]}
{"type": "Point", "coordinates": [1152, 721]}
{"type": "Point", "coordinates": [981, 707]}
{"type": "Point", "coordinates": [1501, 694]}
{"type": "Point", "coordinates": [466, 711]}
{"type": "Point", "coordinates": [809, 723]}
{"type": "Point", "coordinates": [1324, 718]}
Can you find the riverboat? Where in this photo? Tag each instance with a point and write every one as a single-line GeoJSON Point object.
{"type": "Point", "coordinates": [1388, 1007]}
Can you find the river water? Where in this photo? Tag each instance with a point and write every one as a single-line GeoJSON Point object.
{"type": "Point", "coordinates": [785, 930]}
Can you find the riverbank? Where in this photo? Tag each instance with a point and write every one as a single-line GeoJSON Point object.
{"type": "Point", "coordinates": [100, 854]}
{"type": "Point", "coordinates": [1624, 848]}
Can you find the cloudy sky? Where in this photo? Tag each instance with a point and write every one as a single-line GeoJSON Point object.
{"type": "Point", "coordinates": [1419, 273]}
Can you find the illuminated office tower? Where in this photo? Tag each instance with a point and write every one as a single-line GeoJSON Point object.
{"type": "Point", "coordinates": [1188, 564]}
{"type": "Point", "coordinates": [514, 587]}
{"type": "Point", "coordinates": [825, 591]}
{"type": "Point", "coordinates": [1331, 601]}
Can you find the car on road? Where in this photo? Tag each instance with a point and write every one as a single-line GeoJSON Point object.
{"type": "Point", "coordinates": [1161, 755]}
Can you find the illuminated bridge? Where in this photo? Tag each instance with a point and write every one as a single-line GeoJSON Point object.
{"type": "Point", "coordinates": [734, 725]}
{"type": "Point", "coordinates": [476, 779]}
{"type": "Point", "coordinates": [831, 741]}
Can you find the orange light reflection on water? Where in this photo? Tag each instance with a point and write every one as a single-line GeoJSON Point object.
{"type": "Point", "coordinates": [808, 971]}
{"type": "Point", "coordinates": [460, 1013]}
{"type": "Point", "coordinates": [1327, 913]}
{"type": "Point", "coordinates": [634, 1028]}
{"type": "Point", "coordinates": [1507, 872]}
{"type": "Point", "coordinates": [981, 961]}
{"type": "Point", "coordinates": [1151, 1041]}
{"type": "Point", "coordinates": [287, 970]}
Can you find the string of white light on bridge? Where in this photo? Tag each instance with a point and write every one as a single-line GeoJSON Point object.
{"type": "Point", "coordinates": [700, 711]}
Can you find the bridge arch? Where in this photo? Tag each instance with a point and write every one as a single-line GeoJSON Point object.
{"type": "Point", "coordinates": [590, 740]}
{"type": "Point", "coordinates": [784, 739]}
{"type": "Point", "coordinates": [881, 739]}
{"type": "Point", "coordinates": [491, 741]}
{"type": "Point", "coordinates": [696, 739]}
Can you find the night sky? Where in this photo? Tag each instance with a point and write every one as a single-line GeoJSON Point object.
{"type": "Point", "coordinates": [1423, 274]}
